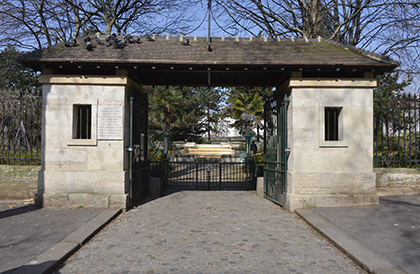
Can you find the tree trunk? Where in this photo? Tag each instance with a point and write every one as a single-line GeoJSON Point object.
{"type": "Point", "coordinates": [208, 124]}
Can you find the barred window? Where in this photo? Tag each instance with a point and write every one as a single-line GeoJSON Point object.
{"type": "Point", "coordinates": [333, 123]}
{"type": "Point", "coordinates": [82, 121]}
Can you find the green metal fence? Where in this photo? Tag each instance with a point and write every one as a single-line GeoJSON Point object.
{"type": "Point", "coordinates": [205, 175]}
{"type": "Point", "coordinates": [20, 127]}
{"type": "Point", "coordinates": [396, 129]}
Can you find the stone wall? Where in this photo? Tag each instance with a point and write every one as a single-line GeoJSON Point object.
{"type": "Point", "coordinates": [83, 172]}
{"type": "Point", "coordinates": [330, 173]}
{"type": "Point", "coordinates": [397, 181]}
{"type": "Point", "coordinates": [18, 182]}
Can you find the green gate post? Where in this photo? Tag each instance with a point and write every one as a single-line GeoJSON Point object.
{"type": "Point", "coordinates": [165, 141]}
{"type": "Point", "coordinates": [248, 136]}
{"type": "Point", "coordinates": [130, 150]}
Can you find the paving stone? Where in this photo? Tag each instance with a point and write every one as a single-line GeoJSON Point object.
{"type": "Point", "coordinates": [208, 232]}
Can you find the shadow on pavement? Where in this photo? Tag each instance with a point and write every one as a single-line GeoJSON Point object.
{"type": "Point", "coordinates": [18, 210]}
{"type": "Point", "coordinates": [33, 269]}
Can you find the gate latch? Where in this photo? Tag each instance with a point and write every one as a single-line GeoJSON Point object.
{"type": "Point", "coordinates": [129, 149]}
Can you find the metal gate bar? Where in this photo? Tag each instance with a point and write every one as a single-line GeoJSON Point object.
{"type": "Point", "coordinates": [276, 152]}
{"type": "Point", "coordinates": [211, 175]}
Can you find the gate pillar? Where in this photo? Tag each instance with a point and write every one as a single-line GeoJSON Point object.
{"type": "Point", "coordinates": [84, 135]}
{"type": "Point", "coordinates": [330, 133]}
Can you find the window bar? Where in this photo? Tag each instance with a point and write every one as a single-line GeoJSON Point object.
{"type": "Point", "coordinates": [87, 123]}
{"type": "Point", "coordinates": [327, 128]}
{"type": "Point", "coordinates": [80, 123]}
{"type": "Point", "coordinates": [335, 131]}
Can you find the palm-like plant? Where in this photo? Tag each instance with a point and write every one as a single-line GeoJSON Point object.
{"type": "Point", "coordinates": [245, 100]}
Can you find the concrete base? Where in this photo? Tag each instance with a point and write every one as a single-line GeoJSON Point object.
{"type": "Point", "coordinates": [154, 186]}
{"type": "Point", "coordinates": [397, 181]}
{"type": "Point", "coordinates": [260, 187]}
{"type": "Point", "coordinates": [295, 202]}
{"type": "Point", "coordinates": [85, 200]}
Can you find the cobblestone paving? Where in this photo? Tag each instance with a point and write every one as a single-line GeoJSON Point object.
{"type": "Point", "coordinates": [208, 232]}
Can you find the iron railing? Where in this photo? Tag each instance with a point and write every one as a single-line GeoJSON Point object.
{"type": "Point", "coordinates": [203, 175]}
{"type": "Point", "coordinates": [20, 127]}
{"type": "Point", "coordinates": [396, 130]}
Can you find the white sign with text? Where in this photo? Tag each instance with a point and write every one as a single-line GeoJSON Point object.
{"type": "Point", "coordinates": [110, 122]}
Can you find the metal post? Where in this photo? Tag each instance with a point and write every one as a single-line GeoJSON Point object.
{"type": "Point", "coordinates": [220, 176]}
{"type": "Point", "coordinates": [165, 142]}
{"type": "Point", "coordinates": [131, 150]}
{"type": "Point", "coordinates": [208, 34]}
{"type": "Point", "coordinates": [196, 175]}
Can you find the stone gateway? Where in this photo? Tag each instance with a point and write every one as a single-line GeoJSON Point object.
{"type": "Point", "coordinates": [321, 151]}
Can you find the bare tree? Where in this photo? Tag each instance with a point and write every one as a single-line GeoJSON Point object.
{"type": "Point", "coordinates": [310, 18]}
{"type": "Point", "coordinates": [34, 24]}
{"type": "Point", "coordinates": [387, 26]}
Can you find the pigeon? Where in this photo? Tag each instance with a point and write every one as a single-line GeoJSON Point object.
{"type": "Point", "coordinates": [130, 39]}
{"type": "Point", "coordinates": [98, 41]}
{"type": "Point", "coordinates": [149, 38]}
{"type": "Point", "coordinates": [90, 46]}
{"type": "Point", "coordinates": [186, 42]}
{"type": "Point", "coordinates": [111, 37]}
{"type": "Point", "coordinates": [71, 43]}
{"type": "Point", "coordinates": [119, 44]}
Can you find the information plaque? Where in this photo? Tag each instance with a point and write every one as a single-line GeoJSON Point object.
{"type": "Point", "coordinates": [110, 122]}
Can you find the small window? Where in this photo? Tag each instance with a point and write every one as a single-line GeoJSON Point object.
{"type": "Point", "coordinates": [332, 123]}
{"type": "Point", "coordinates": [82, 121]}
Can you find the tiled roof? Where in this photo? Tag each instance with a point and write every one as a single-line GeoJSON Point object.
{"type": "Point", "coordinates": [256, 61]}
{"type": "Point", "coordinates": [226, 51]}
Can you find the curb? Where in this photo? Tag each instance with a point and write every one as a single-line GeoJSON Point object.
{"type": "Point", "coordinates": [362, 256]}
{"type": "Point", "coordinates": [50, 259]}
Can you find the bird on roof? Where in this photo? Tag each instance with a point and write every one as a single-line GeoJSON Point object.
{"type": "Point", "coordinates": [130, 39]}
{"type": "Point", "coordinates": [119, 44]}
{"type": "Point", "coordinates": [98, 41]}
{"type": "Point", "coordinates": [111, 37]}
{"type": "Point", "coordinates": [71, 43]}
{"type": "Point", "coordinates": [149, 38]}
{"type": "Point", "coordinates": [90, 46]}
{"type": "Point", "coordinates": [186, 42]}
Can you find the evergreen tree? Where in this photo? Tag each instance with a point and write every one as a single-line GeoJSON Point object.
{"type": "Point", "coordinates": [389, 99]}
{"type": "Point", "coordinates": [175, 110]}
{"type": "Point", "coordinates": [211, 99]}
{"type": "Point", "coordinates": [13, 75]}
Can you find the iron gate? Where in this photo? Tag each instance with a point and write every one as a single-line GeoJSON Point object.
{"type": "Point", "coordinates": [139, 181]}
{"type": "Point", "coordinates": [275, 150]}
{"type": "Point", "coordinates": [210, 175]}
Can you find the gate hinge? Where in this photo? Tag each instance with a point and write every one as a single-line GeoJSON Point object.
{"type": "Point", "coordinates": [129, 149]}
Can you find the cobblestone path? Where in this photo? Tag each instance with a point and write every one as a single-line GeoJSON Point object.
{"type": "Point", "coordinates": [208, 232]}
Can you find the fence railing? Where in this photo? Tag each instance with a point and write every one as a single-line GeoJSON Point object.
{"type": "Point", "coordinates": [203, 175]}
{"type": "Point", "coordinates": [20, 127]}
{"type": "Point", "coordinates": [396, 130]}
